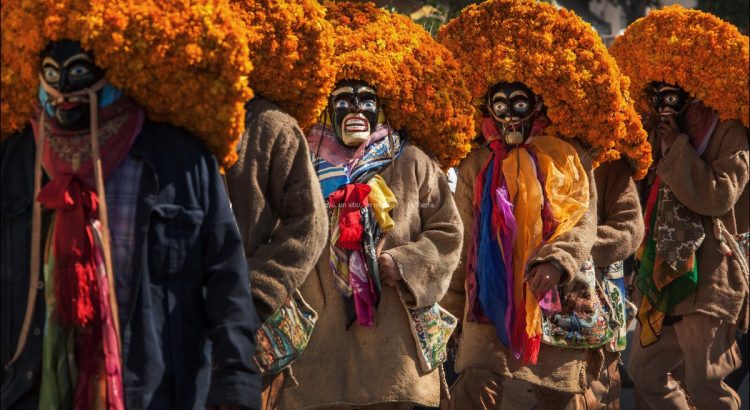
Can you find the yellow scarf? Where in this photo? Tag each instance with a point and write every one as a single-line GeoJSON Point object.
{"type": "Point", "coordinates": [566, 186]}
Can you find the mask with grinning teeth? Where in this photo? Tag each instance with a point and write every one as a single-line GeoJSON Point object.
{"type": "Point", "coordinates": [353, 107]}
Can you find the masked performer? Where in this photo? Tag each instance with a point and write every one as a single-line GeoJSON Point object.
{"type": "Point", "coordinates": [380, 336]}
{"type": "Point", "coordinates": [618, 234]}
{"type": "Point", "coordinates": [136, 260]}
{"type": "Point", "coordinates": [551, 103]}
{"type": "Point", "coordinates": [689, 74]}
{"type": "Point", "coordinates": [273, 187]}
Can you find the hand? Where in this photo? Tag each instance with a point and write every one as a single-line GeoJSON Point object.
{"type": "Point", "coordinates": [543, 277]}
{"type": "Point", "coordinates": [388, 270]}
{"type": "Point", "coordinates": [667, 131]}
{"type": "Point", "coordinates": [650, 120]}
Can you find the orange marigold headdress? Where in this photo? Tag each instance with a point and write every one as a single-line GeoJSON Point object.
{"type": "Point", "coordinates": [292, 54]}
{"type": "Point", "coordinates": [184, 61]}
{"type": "Point", "coordinates": [701, 53]}
{"type": "Point", "coordinates": [417, 80]}
{"type": "Point", "coordinates": [561, 58]}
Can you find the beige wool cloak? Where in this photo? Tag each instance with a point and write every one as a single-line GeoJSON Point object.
{"type": "Point", "coordinates": [362, 366]}
{"type": "Point", "coordinates": [276, 199]}
{"type": "Point", "coordinates": [620, 220]}
{"type": "Point", "coordinates": [479, 347]}
{"type": "Point", "coordinates": [714, 185]}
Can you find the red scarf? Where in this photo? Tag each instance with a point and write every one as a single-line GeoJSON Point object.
{"type": "Point", "coordinates": [350, 200]}
{"type": "Point", "coordinates": [71, 192]}
{"type": "Point", "coordinates": [80, 281]}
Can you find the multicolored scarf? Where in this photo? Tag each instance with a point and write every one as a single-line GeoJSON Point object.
{"type": "Point", "coordinates": [359, 202]}
{"type": "Point", "coordinates": [524, 197]}
{"type": "Point", "coordinates": [337, 165]}
{"type": "Point", "coordinates": [668, 271]}
{"type": "Point", "coordinates": [80, 304]}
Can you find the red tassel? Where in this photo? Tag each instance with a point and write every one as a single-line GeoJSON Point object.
{"type": "Point", "coordinates": [90, 366]}
{"type": "Point", "coordinates": [531, 354]}
{"type": "Point", "coordinates": [350, 200]}
{"type": "Point", "coordinates": [518, 337]}
{"type": "Point", "coordinates": [73, 247]}
{"type": "Point", "coordinates": [83, 310]}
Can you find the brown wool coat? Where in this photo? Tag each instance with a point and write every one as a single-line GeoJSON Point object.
{"type": "Point", "coordinates": [363, 366]}
{"type": "Point", "coordinates": [276, 199]}
{"type": "Point", "coordinates": [558, 369]}
{"type": "Point", "coordinates": [714, 185]}
{"type": "Point", "coordinates": [620, 220]}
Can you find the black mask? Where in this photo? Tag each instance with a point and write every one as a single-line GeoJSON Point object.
{"type": "Point", "coordinates": [667, 100]}
{"type": "Point", "coordinates": [513, 106]}
{"type": "Point", "coordinates": [67, 68]}
{"type": "Point", "coordinates": [353, 106]}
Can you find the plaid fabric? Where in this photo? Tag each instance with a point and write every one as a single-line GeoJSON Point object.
{"type": "Point", "coordinates": [122, 195]}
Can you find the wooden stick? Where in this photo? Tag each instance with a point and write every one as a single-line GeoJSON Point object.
{"type": "Point", "coordinates": [380, 245]}
{"type": "Point", "coordinates": [103, 215]}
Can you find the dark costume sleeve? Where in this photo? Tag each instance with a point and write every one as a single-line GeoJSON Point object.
{"type": "Point", "coordinates": [426, 263]}
{"type": "Point", "coordinates": [572, 248]}
{"type": "Point", "coordinates": [710, 189]}
{"type": "Point", "coordinates": [620, 229]}
{"type": "Point", "coordinates": [280, 265]}
{"type": "Point", "coordinates": [19, 381]}
{"type": "Point", "coordinates": [229, 308]}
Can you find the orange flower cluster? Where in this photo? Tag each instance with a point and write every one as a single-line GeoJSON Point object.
{"type": "Point", "coordinates": [701, 53]}
{"type": "Point", "coordinates": [292, 54]}
{"type": "Point", "coordinates": [185, 61]}
{"type": "Point", "coordinates": [559, 57]}
{"type": "Point", "coordinates": [417, 80]}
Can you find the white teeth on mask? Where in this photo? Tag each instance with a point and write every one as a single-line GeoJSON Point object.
{"type": "Point", "coordinates": [355, 125]}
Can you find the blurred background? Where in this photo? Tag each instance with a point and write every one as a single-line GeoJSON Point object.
{"type": "Point", "coordinates": [609, 17]}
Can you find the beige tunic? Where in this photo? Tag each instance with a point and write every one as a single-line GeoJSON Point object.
{"type": "Point", "coordinates": [276, 199]}
{"type": "Point", "coordinates": [363, 366]}
{"type": "Point", "coordinates": [479, 347]}
{"type": "Point", "coordinates": [714, 185]}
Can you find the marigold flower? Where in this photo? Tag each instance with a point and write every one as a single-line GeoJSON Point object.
{"type": "Point", "coordinates": [560, 57]}
{"type": "Point", "coordinates": [292, 54]}
{"type": "Point", "coordinates": [701, 53]}
{"type": "Point", "coordinates": [418, 81]}
{"type": "Point", "coordinates": [185, 61]}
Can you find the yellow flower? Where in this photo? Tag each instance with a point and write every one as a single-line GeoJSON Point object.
{"type": "Point", "coordinates": [185, 61]}
{"type": "Point", "coordinates": [699, 52]}
{"type": "Point", "coordinates": [559, 57]}
{"type": "Point", "coordinates": [417, 80]}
